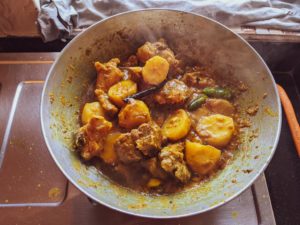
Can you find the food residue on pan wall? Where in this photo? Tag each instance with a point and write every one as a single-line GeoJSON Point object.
{"type": "Point", "coordinates": [252, 110]}
{"type": "Point", "coordinates": [65, 102]}
{"type": "Point", "coordinates": [253, 134]}
{"type": "Point", "coordinates": [70, 79]}
{"type": "Point", "coordinates": [62, 100]}
{"type": "Point", "coordinates": [51, 97]}
{"type": "Point", "coordinates": [77, 165]}
{"type": "Point", "coordinates": [60, 123]}
{"type": "Point", "coordinates": [72, 67]}
{"type": "Point", "coordinates": [270, 112]}
{"type": "Point", "coordinates": [62, 84]}
{"type": "Point", "coordinates": [265, 95]}
{"type": "Point", "coordinates": [244, 122]}
{"type": "Point", "coordinates": [87, 182]}
{"type": "Point", "coordinates": [247, 171]}
{"type": "Point", "coordinates": [137, 206]}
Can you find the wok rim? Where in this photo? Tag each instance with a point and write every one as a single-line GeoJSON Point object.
{"type": "Point", "coordinates": [129, 212]}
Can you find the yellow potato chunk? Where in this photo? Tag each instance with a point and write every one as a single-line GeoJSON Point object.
{"type": "Point", "coordinates": [216, 130]}
{"type": "Point", "coordinates": [109, 154]}
{"type": "Point", "coordinates": [155, 70]}
{"type": "Point", "coordinates": [134, 114]}
{"type": "Point", "coordinates": [201, 158]}
{"type": "Point", "coordinates": [90, 110]}
{"type": "Point", "coordinates": [177, 125]}
{"type": "Point", "coordinates": [122, 90]}
{"type": "Point", "coordinates": [153, 183]}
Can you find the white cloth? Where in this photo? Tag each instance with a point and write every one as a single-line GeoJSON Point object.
{"type": "Point", "coordinates": [58, 18]}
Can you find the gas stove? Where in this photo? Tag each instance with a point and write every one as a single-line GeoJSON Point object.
{"type": "Point", "coordinates": [34, 191]}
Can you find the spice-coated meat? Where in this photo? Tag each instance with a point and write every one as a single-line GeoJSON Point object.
{"type": "Point", "coordinates": [198, 80]}
{"type": "Point", "coordinates": [109, 108]}
{"type": "Point", "coordinates": [172, 161]}
{"type": "Point", "coordinates": [108, 74]}
{"type": "Point", "coordinates": [94, 134]}
{"type": "Point", "coordinates": [148, 50]}
{"type": "Point", "coordinates": [173, 92]}
{"type": "Point", "coordinates": [126, 150]}
{"type": "Point", "coordinates": [148, 138]}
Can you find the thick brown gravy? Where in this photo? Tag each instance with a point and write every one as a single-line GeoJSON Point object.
{"type": "Point", "coordinates": [136, 162]}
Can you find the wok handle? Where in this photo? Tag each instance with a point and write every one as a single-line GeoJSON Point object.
{"type": "Point", "coordinates": [291, 117]}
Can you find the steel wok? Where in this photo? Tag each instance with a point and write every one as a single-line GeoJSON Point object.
{"type": "Point", "coordinates": [200, 39]}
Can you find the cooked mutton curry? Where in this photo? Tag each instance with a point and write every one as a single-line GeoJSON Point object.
{"type": "Point", "coordinates": [157, 123]}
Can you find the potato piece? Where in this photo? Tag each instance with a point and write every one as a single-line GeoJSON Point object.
{"type": "Point", "coordinates": [122, 90]}
{"type": "Point", "coordinates": [90, 110]}
{"type": "Point", "coordinates": [220, 106]}
{"type": "Point", "coordinates": [216, 129]}
{"type": "Point", "coordinates": [155, 70]}
{"type": "Point", "coordinates": [201, 158]}
{"type": "Point", "coordinates": [153, 183]}
{"type": "Point", "coordinates": [109, 154]}
{"type": "Point", "coordinates": [177, 125]}
{"type": "Point", "coordinates": [134, 114]}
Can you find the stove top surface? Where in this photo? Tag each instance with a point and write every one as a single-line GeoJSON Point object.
{"type": "Point", "coordinates": [34, 191]}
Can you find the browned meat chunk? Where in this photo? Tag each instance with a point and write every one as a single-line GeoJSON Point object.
{"type": "Point", "coordinates": [95, 133]}
{"type": "Point", "coordinates": [80, 140]}
{"type": "Point", "coordinates": [108, 74]}
{"type": "Point", "coordinates": [252, 110]}
{"type": "Point", "coordinates": [153, 166]}
{"type": "Point", "coordinates": [148, 138]}
{"type": "Point", "coordinates": [133, 73]}
{"type": "Point", "coordinates": [171, 160]}
{"type": "Point", "coordinates": [168, 54]}
{"type": "Point", "coordinates": [110, 109]}
{"type": "Point", "coordinates": [244, 122]}
{"type": "Point", "coordinates": [198, 80]}
{"type": "Point", "coordinates": [131, 61]}
{"type": "Point", "coordinates": [148, 50]}
{"type": "Point", "coordinates": [220, 106]}
{"type": "Point", "coordinates": [125, 149]}
{"type": "Point", "coordinates": [173, 92]}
